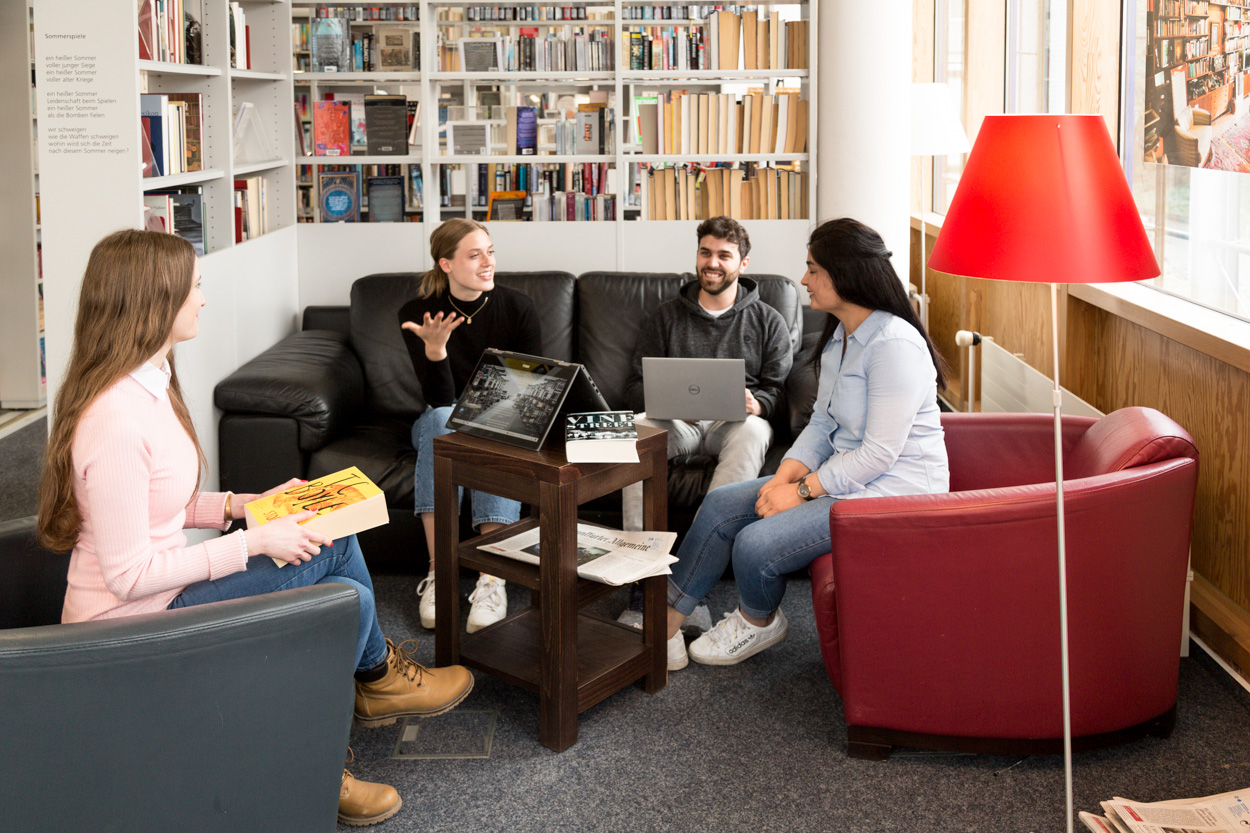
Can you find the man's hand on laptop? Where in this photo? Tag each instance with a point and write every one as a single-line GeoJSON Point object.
{"type": "Point", "coordinates": [753, 404]}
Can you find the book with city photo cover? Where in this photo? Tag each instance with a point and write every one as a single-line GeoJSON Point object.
{"type": "Point", "coordinates": [515, 398]}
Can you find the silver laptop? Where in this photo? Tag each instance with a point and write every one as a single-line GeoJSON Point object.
{"type": "Point", "coordinates": [695, 388]}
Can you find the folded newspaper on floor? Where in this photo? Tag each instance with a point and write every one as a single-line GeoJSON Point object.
{"type": "Point", "coordinates": [605, 555]}
{"type": "Point", "coordinates": [1222, 813]}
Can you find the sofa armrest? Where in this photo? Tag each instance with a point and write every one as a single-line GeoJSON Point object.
{"type": "Point", "coordinates": [1200, 116]}
{"type": "Point", "coordinates": [312, 377]}
{"type": "Point", "coordinates": [184, 708]}
{"type": "Point", "coordinates": [33, 590]}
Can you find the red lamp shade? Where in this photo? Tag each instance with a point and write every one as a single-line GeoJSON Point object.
{"type": "Point", "coordinates": [1044, 199]}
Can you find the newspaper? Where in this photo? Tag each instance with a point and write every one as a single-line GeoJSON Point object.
{"type": "Point", "coordinates": [1222, 813]}
{"type": "Point", "coordinates": [605, 555]}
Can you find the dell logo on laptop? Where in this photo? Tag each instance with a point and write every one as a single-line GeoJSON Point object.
{"type": "Point", "coordinates": [695, 390]}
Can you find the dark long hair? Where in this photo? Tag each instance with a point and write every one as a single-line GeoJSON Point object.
{"type": "Point", "coordinates": [858, 262]}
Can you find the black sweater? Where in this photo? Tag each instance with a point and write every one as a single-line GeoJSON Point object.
{"type": "Point", "coordinates": [507, 321]}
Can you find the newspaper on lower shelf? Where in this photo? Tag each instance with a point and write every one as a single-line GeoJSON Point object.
{"type": "Point", "coordinates": [1222, 813]}
{"type": "Point", "coordinates": [605, 555]}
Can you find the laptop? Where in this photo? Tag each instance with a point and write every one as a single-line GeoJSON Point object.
{"type": "Point", "coordinates": [515, 398]}
{"type": "Point", "coordinates": [695, 389]}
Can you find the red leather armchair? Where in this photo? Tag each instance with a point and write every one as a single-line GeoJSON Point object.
{"type": "Point", "coordinates": [938, 615]}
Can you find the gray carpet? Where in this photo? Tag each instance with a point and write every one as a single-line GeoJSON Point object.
{"type": "Point", "coordinates": [21, 456]}
{"type": "Point", "coordinates": [761, 746]}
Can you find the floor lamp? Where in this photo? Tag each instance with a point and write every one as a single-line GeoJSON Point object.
{"type": "Point", "coordinates": [935, 131]}
{"type": "Point", "coordinates": [1043, 199]}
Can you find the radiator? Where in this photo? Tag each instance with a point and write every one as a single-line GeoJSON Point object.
{"type": "Point", "coordinates": [1008, 385]}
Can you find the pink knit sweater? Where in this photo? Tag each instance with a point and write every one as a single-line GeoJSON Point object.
{"type": "Point", "coordinates": [134, 474]}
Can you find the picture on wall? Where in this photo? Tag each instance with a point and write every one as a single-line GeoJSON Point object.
{"type": "Point", "coordinates": [1195, 108]}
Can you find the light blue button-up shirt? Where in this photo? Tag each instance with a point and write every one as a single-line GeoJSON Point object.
{"type": "Point", "coordinates": [876, 428]}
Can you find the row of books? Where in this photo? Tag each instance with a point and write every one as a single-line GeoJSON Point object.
{"type": "Point", "coordinates": [587, 178]}
{"type": "Point", "coordinates": [179, 211]}
{"type": "Point", "coordinates": [748, 193]}
{"type": "Point", "coordinates": [387, 198]}
{"type": "Point", "coordinates": [572, 206]}
{"type": "Point", "coordinates": [377, 125]}
{"type": "Point", "coordinates": [569, 49]}
{"type": "Point", "coordinates": [681, 11]}
{"type": "Point", "coordinates": [522, 13]}
{"type": "Point", "coordinates": [713, 123]}
{"type": "Point", "coordinates": [173, 127]}
{"type": "Point", "coordinates": [589, 130]}
{"type": "Point", "coordinates": [410, 11]}
{"type": "Point", "coordinates": [240, 42]}
{"type": "Point", "coordinates": [251, 208]}
{"type": "Point", "coordinates": [727, 41]}
{"type": "Point", "coordinates": [334, 47]}
{"type": "Point", "coordinates": [169, 32]}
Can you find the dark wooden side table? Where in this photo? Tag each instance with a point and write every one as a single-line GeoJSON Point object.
{"type": "Point", "coordinates": [571, 660]}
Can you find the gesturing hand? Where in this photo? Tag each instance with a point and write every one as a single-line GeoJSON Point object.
{"type": "Point", "coordinates": [434, 331]}
{"type": "Point", "coordinates": [284, 539]}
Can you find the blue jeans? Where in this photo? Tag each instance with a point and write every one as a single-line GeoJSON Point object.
{"type": "Point", "coordinates": [342, 563]}
{"type": "Point", "coordinates": [763, 550]}
{"type": "Point", "coordinates": [485, 508]}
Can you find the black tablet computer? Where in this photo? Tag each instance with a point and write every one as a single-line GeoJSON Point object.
{"type": "Point", "coordinates": [516, 398]}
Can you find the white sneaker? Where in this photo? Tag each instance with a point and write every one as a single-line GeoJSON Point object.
{"type": "Point", "coordinates": [489, 602]}
{"type": "Point", "coordinates": [677, 657]}
{"type": "Point", "coordinates": [700, 619]}
{"type": "Point", "coordinates": [425, 592]}
{"type": "Point", "coordinates": [734, 639]}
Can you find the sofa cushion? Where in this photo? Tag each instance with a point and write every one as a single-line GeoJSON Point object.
{"type": "Point", "coordinates": [379, 447]}
{"type": "Point", "coordinates": [391, 385]}
{"type": "Point", "coordinates": [1125, 439]}
{"type": "Point", "coordinates": [612, 308]}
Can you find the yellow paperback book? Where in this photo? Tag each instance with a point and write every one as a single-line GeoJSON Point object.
{"type": "Point", "coordinates": [346, 502]}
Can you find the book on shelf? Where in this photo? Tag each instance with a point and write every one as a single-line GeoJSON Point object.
{"type": "Point", "coordinates": [249, 202]}
{"type": "Point", "coordinates": [601, 437]}
{"type": "Point", "coordinates": [332, 128]}
{"type": "Point", "coordinates": [385, 197]}
{"type": "Point", "coordinates": [157, 213]}
{"type": "Point", "coordinates": [331, 39]}
{"type": "Point", "coordinates": [468, 138]}
{"type": "Point", "coordinates": [238, 36]}
{"type": "Point", "coordinates": [480, 54]}
{"type": "Point", "coordinates": [608, 556]}
{"type": "Point", "coordinates": [394, 48]}
{"type": "Point", "coordinates": [152, 113]}
{"type": "Point", "coordinates": [346, 502]}
{"type": "Point", "coordinates": [521, 129]}
{"type": "Point", "coordinates": [386, 125]}
{"type": "Point", "coordinates": [414, 122]}
{"type": "Point", "coordinates": [356, 107]}
{"type": "Point", "coordinates": [302, 145]}
{"type": "Point", "coordinates": [339, 196]}
{"type": "Point", "coordinates": [414, 198]}
{"type": "Point", "coordinates": [191, 124]}
{"type": "Point", "coordinates": [188, 214]}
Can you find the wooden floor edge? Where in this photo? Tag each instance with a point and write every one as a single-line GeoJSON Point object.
{"type": "Point", "coordinates": [1221, 623]}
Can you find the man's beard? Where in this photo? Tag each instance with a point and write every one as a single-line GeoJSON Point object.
{"type": "Point", "coordinates": [727, 280]}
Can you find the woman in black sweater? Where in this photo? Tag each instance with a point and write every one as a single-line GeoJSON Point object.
{"type": "Point", "coordinates": [458, 313]}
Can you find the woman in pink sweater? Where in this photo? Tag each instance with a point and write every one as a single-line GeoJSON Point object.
{"type": "Point", "coordinates": [121, 481]}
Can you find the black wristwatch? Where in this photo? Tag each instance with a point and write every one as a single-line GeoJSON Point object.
{"type": "Point", "coordinates": [805, 491]}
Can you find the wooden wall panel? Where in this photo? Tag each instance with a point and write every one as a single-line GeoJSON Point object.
{"type": "Point", "coordinates": [1094, 60]}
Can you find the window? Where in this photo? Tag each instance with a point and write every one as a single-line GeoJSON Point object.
{"type": "Point", "coordinates": [949, 60]}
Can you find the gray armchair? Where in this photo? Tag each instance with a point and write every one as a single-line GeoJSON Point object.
{"type": "Point", "coordinates": [1191, 140]}
{"type": "Point", "coordinates": [231, 716]}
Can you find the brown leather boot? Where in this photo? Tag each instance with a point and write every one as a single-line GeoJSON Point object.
{"type": "Point", "coordinates": [362, 802]}
{"type": "Point", "coordinates": [410, 689]}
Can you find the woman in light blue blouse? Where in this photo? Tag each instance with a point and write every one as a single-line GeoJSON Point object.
{"type": "Point", "coordinates": [875, 431]}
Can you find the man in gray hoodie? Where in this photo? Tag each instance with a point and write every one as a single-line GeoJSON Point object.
{"type": "Point", "coordinates": [718, 316]}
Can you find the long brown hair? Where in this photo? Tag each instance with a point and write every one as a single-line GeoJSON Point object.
{"type": "Point", "coordinates": [132, 289]}
{"type": "Point", "coordinates": [443, 244]}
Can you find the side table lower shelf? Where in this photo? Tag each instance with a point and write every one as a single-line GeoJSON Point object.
{"type": "Point", "coordinates": [609, 656]}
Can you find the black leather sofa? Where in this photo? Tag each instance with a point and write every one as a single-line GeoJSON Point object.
{"type": "Point", "coordinates": [232, 716]}
{"type": "Point", "coordinates": [342, 391]}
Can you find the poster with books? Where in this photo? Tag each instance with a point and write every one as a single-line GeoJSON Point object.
{"type": "Point", "coordinates": [331, 44]}
{"type": "Point", "coordinates": [346, 502]}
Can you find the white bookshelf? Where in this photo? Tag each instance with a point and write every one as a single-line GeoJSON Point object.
{"type": "Point", "coordinates": [21, 382]}
{"type": "Point", "coordinates": [92, 181]}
